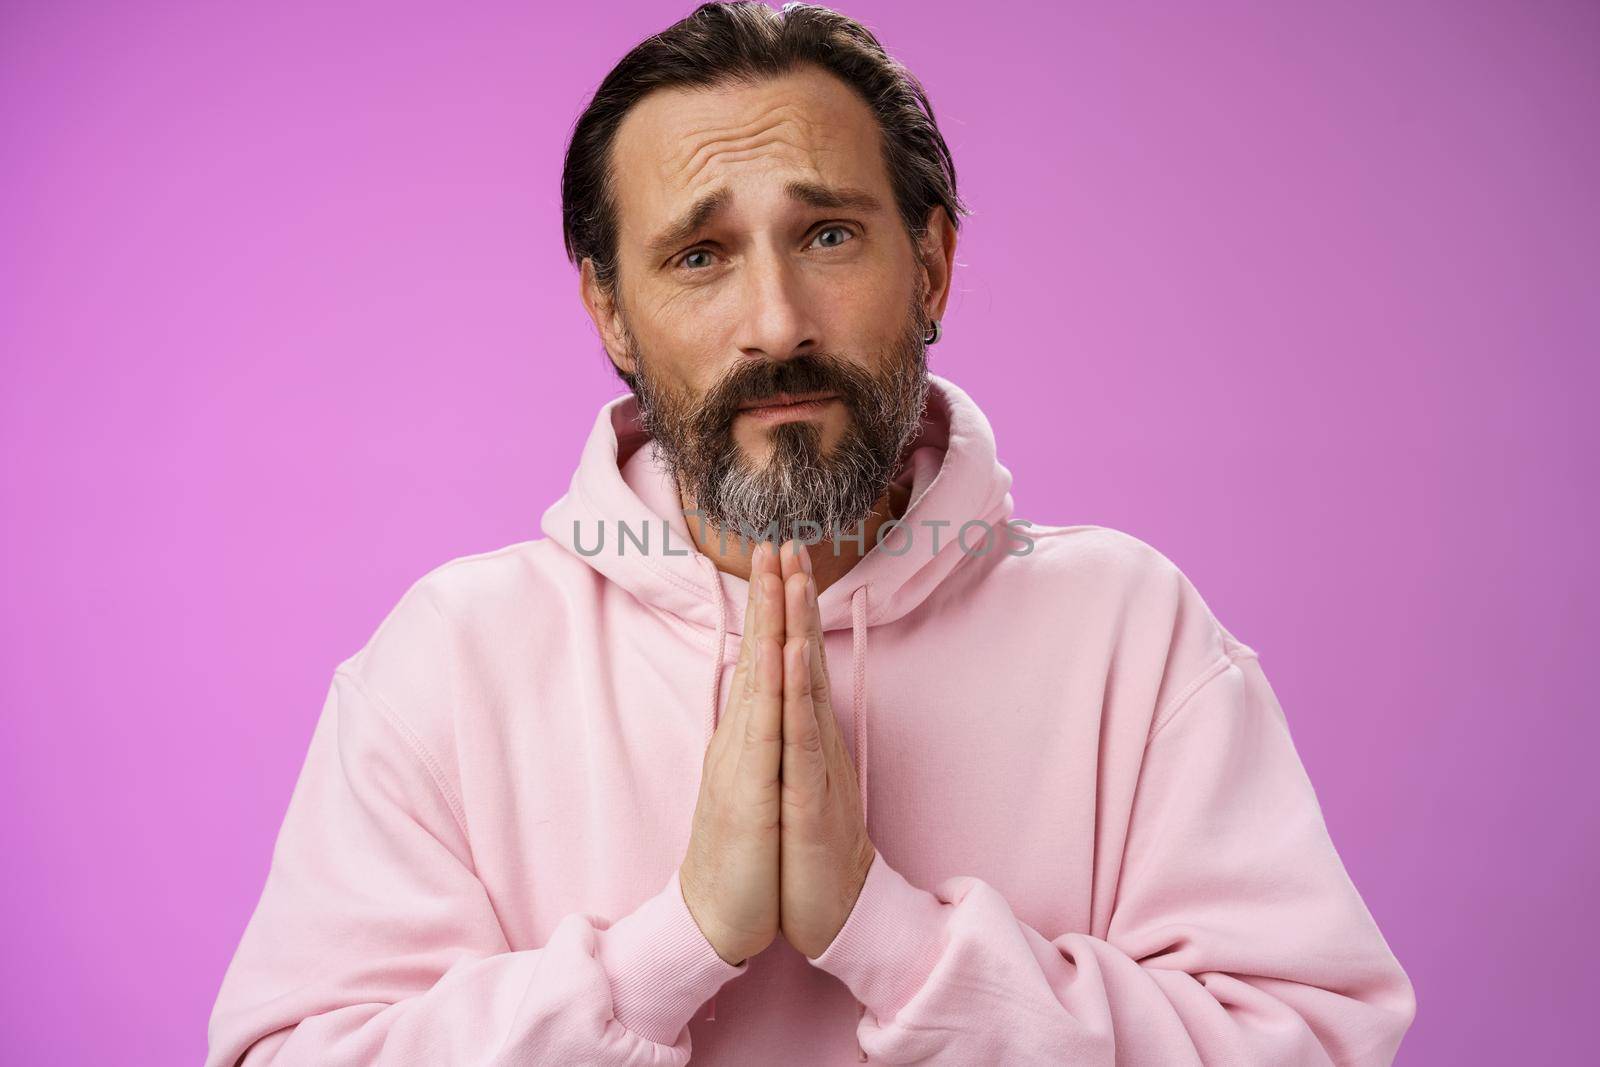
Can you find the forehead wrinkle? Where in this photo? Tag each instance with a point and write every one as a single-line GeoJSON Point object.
{"type": "Point", "coordinates": [746, 140]}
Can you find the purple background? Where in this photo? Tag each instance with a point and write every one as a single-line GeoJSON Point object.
{"type": "Point", "coordinates": [1306, 299]}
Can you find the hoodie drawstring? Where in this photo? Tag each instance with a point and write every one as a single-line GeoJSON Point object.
{"type": "Point", "coordinates": [858, 692]}
{"type": "Point", "coordinates": [716, 678]}
{"type": "Point", "coordinates": [858, 716]}
{"type": "Point", "coordinates": [716, 647]}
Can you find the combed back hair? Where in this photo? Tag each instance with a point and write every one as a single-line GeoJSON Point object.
{"type": "Point", "coordinates": [744, 42]}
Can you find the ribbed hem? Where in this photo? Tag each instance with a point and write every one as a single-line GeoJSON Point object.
{"type": "Point", "coordinates": [889, 944]}
{"type": "Point", "coordinates": [660, 966]}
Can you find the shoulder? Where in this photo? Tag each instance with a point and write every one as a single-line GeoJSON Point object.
{"type": "Point", "coordinates": [498, 581]}
{"type": "Point", "coordinates": [1101, 562]}
{"type": "Point", "coordinates": [451, 595]}
{"type": "Point", "coordinates": [500, 591]}
{"type": "Point", "coordinates": [1136, 596]}
{"type": "Point", "coordinates": [428, 652]}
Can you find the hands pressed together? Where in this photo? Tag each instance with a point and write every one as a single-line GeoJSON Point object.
{"type": "Point", "coordinates": [779, 844]}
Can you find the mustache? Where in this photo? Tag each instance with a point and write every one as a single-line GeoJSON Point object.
{"type": "Point", "coordinates": [811, 373]}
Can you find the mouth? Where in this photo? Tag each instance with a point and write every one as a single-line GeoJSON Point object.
{"type": "Point", "coordinates": [788, 403]}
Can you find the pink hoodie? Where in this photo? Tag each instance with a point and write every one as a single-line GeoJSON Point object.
{"type": "Point", "coordinates": [1096, 841]}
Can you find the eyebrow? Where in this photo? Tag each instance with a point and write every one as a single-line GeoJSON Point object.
{"type": "Point", "coordinates": [707, 207]}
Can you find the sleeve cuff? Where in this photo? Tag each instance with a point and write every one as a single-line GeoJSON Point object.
{"type": "Point", "coordinates": [660, 966]}
{"type": "Point", "coordinates": [890, 943]}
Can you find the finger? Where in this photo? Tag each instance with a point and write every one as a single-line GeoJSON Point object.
{"type": "Point", "coordinates": [763, 623]}
{"type": "Point", "coordinates": [790, 557]}
{"type": "Point", "coordinates": [744, 672]}
{"type": "Point", "coordinates": [767, 570]}
{"type": "Point", "coordinates": [763, 734]}
{"type": "Point", "coordinates": [804, 616]}
{"type": "Point", "coordinates": [797, 560]}
{"type": "Point", "coordinates": [804, 765]}
{"type": "Point", "coordinates": [807, 617]}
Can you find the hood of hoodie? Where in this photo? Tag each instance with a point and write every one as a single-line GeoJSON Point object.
{"type": "Point", "coordinates": [950, 468]}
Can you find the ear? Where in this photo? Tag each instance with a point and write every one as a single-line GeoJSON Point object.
{"type": "Point", "coordinates": [937, 254]}
{"type": "Point", "coordinates": [603, 311]}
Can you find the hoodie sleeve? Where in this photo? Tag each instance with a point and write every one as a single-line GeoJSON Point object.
{"type": "Point", "coordinates": [374, 942]}
{"type": "Point", "coordinates": [1237, 936]}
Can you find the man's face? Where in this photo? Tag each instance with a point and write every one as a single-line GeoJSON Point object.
{"type": "Point", "coordinates": [760, 253]}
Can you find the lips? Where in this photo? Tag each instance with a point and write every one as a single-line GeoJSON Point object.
{"type": "Point", "coordinates": [782, 399]}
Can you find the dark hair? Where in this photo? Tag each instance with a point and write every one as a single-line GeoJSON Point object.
{"type": "Point", "coordinates": [746, 41]}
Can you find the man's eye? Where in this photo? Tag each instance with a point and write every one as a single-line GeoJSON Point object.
{"type": "Point", "coordinates": [841, 234]}
{"type": "Point", "coordinates": [847, 236]}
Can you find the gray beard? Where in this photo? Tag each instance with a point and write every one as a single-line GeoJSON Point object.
{"type": "Point", "coordinates": [800, 492]}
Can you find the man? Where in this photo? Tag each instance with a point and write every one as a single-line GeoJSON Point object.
{"type": "Point", "coordinates": [937, 786]}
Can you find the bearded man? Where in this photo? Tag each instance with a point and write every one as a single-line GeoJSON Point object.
{"type": "Point", "coordinates": [788, 742]}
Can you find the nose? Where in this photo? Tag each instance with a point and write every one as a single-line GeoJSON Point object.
{"type": "Point", "coordinates": [778, 318]}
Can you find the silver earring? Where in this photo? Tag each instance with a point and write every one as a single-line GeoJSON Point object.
{"type": "Point", "coordinates": [932, 337]}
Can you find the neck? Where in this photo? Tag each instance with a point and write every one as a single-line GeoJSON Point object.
{"type": "Point", "coordinates": [831, 558]}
